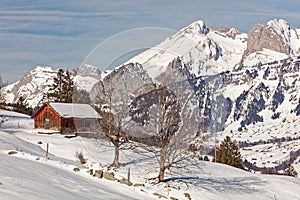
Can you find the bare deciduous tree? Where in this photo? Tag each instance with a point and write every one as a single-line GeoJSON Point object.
{"type": "Point", "coordinates": [113, 107]}
{"type": "Point", "coordinates": [111, 126]}
{"type": "Point", "coordinates": [112, 96]}
{"type": "Point", "coordinates": [160, 114]}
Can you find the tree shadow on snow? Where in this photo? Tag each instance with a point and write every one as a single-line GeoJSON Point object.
{"type": "Point", "coordinates": [238, 184]}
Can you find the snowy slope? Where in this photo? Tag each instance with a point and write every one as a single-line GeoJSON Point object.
{"type": "Point", "coordinates": [28, 175]}
{"type": "Point", "coordinates": [21, 173]}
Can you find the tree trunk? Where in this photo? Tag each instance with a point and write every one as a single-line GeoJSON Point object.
{"type": "Point", "coordinates": [162, 167]}
{"type": "Point", "coordinates": [161, 175]}
{"type": "Point", "coordinates": [117, 153]}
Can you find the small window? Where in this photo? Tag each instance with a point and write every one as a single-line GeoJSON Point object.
{"type": "Point", "coordinates": [67, 124]}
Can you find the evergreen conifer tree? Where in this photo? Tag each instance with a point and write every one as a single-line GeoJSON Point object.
{"type": "Point", "coordinates": [81, 96]}
{"type": "Point", "coordinates": [290, 171]}
{"type": "Point", "coordinates": [62, 88]}
{"type": "Point", "coordinates": [228, 153]}
{"type": "Point", "coordinates": [22, 106]}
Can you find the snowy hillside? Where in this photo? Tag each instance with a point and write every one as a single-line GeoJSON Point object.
{"type": "Point", "coordinates": [24, 166]}
{"type": "Point", "coordinates": [36, 83]}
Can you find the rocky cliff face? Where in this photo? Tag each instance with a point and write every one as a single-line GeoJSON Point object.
{"type": "Point", "coordinates": [275, 35]}
{"type": "Point", "coordinates": [120, 85]}
{"type": "Point", "coordinates": [88, 71]}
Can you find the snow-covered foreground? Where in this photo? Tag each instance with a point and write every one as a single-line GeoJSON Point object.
{"type": "Point", "coordinates": [29, 175]}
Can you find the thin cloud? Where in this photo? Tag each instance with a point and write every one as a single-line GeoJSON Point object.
{"type": "Point", "coordinates": [48, 14]}
{"type": "Point", "coordinates": [61, 33]}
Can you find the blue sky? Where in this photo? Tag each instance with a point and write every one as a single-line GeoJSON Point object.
{"type": "Point", "coordinates": [62, 33]}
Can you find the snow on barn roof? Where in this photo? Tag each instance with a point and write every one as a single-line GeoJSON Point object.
{"type": "Point", "coordinates": [73, 110]}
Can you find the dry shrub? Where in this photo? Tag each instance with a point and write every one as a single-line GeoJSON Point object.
{"type": "Point", "coordinates": [80, 157]}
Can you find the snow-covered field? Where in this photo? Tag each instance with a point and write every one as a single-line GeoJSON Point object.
{"type": "Point", "coordinates": [27, 174]}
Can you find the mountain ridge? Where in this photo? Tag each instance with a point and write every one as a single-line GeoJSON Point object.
{"type": "Point", "coordinates": [35, 84]}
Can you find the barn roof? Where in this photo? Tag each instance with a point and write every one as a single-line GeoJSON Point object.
{"type": "Point", "coordinates": [71, 110]}
{"type": "Point", "coordinates": [75, 110]}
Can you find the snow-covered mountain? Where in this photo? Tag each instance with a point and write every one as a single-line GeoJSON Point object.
{"type": "Point", "coordinates": [214, 50]}
{"type": "Point", "coordinates": [242, 83]}
{"type": "Point", "coordinates": [204, 50]}
{"type": "Point", "coordinates": [31, 86]}
{"type": "Point", "coordinates": [86, 76]}
{"type": "Point", "coordinates": [36, 83]}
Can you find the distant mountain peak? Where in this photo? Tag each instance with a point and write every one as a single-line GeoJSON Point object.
{"type": "Point", "coordinates": [277, 36]}
{"type": "Point", "coordinates": [278, 24]}
{"type": "Point", "coordinates": [41, 69]}
{"type": "Point", "coordinates": [89, 70]}
{"type": "Point", "coordinates": [35, 84]}
{"type": "Point", "coordinates": [229, 32]}
{"type": "Point", "coordinates": [198, 27]}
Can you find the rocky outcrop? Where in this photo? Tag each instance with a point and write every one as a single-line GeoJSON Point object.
{"type": "Point", "coordinates": [89, 71]}
{"type": "Point", "coordinates": [120, 85]}
{"type": "Point", "coordinates": [229, 32]}
{"type": "Point", "coordinates": [275, 35]}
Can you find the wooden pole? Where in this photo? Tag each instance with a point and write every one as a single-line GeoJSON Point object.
{"type": "Point", "coordinates": [128, 174]}
{"type": "Point", "coordinates": [47, 150]}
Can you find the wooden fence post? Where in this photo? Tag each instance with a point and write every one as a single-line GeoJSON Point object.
{"type": "Point", "coordinates": [128, 174]}
{"type": "Point", "coordinates": [47, 150]}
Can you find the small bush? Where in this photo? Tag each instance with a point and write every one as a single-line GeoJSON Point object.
{"type": "Point", "coordinates": [80, 157]}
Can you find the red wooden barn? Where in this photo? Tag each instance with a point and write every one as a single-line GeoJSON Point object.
{"type": "Point", "coordinates": [67, 118]}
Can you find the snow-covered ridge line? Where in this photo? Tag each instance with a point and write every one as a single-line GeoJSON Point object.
{"type": "Point", "coordinates": [213, 50]}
